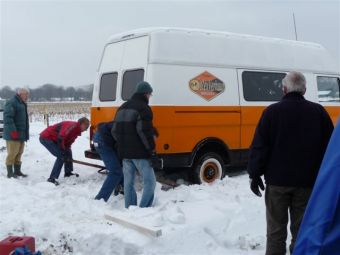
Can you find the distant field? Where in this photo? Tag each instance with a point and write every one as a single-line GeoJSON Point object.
{"type": "Point", "coordinates": [58, 110]}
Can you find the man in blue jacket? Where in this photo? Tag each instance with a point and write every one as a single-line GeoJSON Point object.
{"type": "Point", "coordinates": [16, 131]}
{"type": "Point", "coordinates": [288, 146]}
{"type": "Point", "coordinates": [105, 146]}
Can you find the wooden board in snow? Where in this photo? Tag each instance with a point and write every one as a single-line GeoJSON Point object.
{"type": "Point", "coordinates": [141, 229]}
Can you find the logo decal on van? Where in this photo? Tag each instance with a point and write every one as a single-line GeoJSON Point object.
{"type": "Point", "coordinates": [207, 86]}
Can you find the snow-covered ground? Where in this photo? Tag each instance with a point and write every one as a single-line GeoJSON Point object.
{"type": "Point", "coordinates": [224, 218]}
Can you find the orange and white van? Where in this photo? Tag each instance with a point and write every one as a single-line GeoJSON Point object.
{"type": "Point", "coordinates": [210, 89]}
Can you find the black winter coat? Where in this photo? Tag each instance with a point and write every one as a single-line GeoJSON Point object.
{"type": "Point", "coordinates": [133, 129]}
{"type": "Point", "coordinates": [289, 142]}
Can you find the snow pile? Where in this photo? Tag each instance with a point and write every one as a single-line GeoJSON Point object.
{"type": "Point", "coordinates": [224, 218]}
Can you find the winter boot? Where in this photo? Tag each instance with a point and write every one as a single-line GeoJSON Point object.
{"type": "Point", "coordinates": [118, 190]}
{"type": "Point", "coordinates": [54, 181]}
{"type": "Point", "coordinates": [10, 173]}
{"type": "Point", "coordinates": [71, 174]}
{"type": "Point", "coordinates": [17, 171]}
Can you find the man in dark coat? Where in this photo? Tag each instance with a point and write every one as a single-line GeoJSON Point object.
{"type": "Point", "coordinates": [16, 131]}
{"type": "Point", "coordinates": [58, 140]}
{"type": "Point", "coordinates": [134, 132]}
{"type": "Point", "coordinates": [288, 146]}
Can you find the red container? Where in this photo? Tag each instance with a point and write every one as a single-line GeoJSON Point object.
{"type": "Point", "coordinates": [12, 242]}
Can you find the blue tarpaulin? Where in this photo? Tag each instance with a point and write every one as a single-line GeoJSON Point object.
{"type": "Point", "coordinates": [25, 251]}
{"type": "Point", "coordinates": [320, 229]}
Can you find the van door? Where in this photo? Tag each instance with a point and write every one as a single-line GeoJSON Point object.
{"type": "Point", "coordinates": [108, 76]}
{"type": "Point", "coordinates": [118, 58]}
{"type": "Point", "coordinates": [134, 64]}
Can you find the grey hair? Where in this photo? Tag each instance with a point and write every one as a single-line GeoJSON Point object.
{"type": "Point", "coordinates": [295, 82]}
{"type": "Point", "coordinates": [22, 90]}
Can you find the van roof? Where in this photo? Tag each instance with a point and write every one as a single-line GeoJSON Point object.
{"type": "Point", "coordinates": [224, 49]}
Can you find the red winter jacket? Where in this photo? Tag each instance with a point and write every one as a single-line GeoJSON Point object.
{"type": "Point", "coordinates": [63, 133]}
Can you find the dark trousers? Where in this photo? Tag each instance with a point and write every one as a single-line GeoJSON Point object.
{"type": "Point", "coordinates": [112, 164]}
{"type": "Point", "coordinates": [61, 155]}
{"type": "Point", "coordinates": [282, 202]}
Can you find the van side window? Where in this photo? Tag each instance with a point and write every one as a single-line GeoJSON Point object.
{"type": "Point", "coordinates": [328, 89]}
{"type": "Point", "coordinates": [108, 87]}
{"type": "Point", "coordinates": [130, 80]}
{"type": "Point", "coordinates": [262, 86]}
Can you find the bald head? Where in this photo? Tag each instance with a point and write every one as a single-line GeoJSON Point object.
{"type": "Point", "coordinates": [294, 82]}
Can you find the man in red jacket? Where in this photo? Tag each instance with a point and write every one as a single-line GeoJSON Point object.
{"type": "Point", "coordinates": [58, 140]}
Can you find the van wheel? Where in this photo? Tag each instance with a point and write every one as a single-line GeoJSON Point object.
{"type": "Point", "coordinates": [208, 168]}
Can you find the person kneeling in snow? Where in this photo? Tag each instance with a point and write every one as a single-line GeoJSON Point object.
{"type": "Point", "coordinates": [105, 146]}
{"type": "Point", "coordinates": [58, 140]}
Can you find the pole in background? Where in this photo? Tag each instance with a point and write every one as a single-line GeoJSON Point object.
{"type": "Point", "coordinates": [296, 37]}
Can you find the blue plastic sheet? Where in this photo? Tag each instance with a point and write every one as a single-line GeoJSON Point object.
{"type": "Point", "coordinates": [25, 251]}
{"type": "Point", "coordinates": [320, 229]}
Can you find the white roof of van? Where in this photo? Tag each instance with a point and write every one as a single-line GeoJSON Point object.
{"type": "Point", "coordinates": [214, 48]}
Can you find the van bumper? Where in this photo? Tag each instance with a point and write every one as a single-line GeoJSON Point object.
{"type": "Point", "coordinates": [168, 160]}
{"type": "Point", "coordinates": [93, 154]}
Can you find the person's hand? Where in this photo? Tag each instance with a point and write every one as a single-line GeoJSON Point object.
{"type": "Point", "coordinates": [255, 185]}
{"type": "Point", "coordinates": [156, 162]}
{"type": "Point", "coordinates": [14, 135]}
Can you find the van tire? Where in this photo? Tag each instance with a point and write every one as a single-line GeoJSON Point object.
{"type": "Point", "coordinates": [208, 168]}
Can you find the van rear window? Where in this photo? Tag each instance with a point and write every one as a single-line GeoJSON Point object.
{"type": "Point", "coordinates": [328, 89]}
{"type": "Point", "coordinates": [108, 87]}
{"type": "Point", "coordinates": [130, 80]}
{"type": "Point", "coordinates": [262, 86]}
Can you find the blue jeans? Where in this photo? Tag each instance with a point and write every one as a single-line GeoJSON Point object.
{"type": "Point", "coordinates": [143, 166]}
{"type": "Point", "coordinates": [112, 164]}
{"type": "Point", "coordinates": [60, 154]}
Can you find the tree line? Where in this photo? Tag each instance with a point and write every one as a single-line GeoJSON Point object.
{"type": "Point", "coordinates": [51, 92]}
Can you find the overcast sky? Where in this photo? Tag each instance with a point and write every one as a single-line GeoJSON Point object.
{"type": "Point", "coordinates": [60, 42]}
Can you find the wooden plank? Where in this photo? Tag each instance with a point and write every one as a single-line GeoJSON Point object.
{"type": "Point", "coordinates": [141, 229]}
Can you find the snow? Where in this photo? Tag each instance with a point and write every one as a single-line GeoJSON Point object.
{"type": "Point", "coordinates": [223, 218]}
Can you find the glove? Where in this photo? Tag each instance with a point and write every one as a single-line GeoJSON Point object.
{"type": "Point", "coordinates": [14, 135]}
{"type": "Point", "coordinates": [156, 162]}
{"type": "Point", "coordinates": [255, 184]}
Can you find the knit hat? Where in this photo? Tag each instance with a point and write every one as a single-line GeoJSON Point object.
{"type": "Point", "coordinates": [143, 88]}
